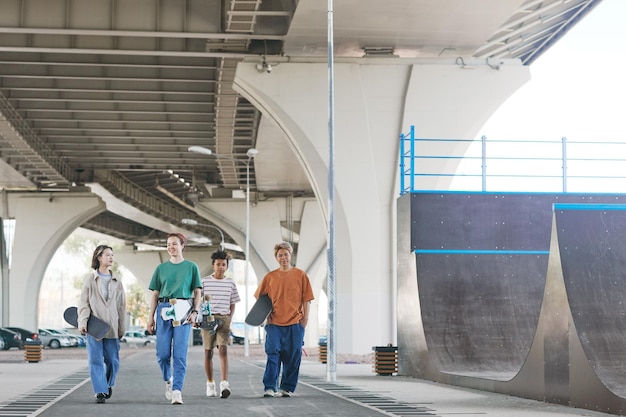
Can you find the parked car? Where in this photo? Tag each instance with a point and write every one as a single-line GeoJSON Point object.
{"type": "Point", "coordinates": [138, 338]}
{"type": "Point", "coordinates": [11, 339]}
{"type": "Point", "coordinates": [237, 340]}
{"type": "Point", "coordinates": [74, 342]}
{"type": "Point", "coordinates": [73, 331]}
{"type": "Point", "coordinates": [26, 335]}
{"type": "Point", "coordinates": [56, 340]}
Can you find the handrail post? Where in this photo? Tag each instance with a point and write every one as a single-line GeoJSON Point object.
{"type": "Point", "coordinates": [402, 165]}
{"type": "Point", "coordinates": [412, 158]}
{"type": "Point", "coordinates": [484, 162]}
{"type": "Point", "coordinates": [564, 162]}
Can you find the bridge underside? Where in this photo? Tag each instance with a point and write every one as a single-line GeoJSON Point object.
{"type": "Point", "coordinates": [94, 89]}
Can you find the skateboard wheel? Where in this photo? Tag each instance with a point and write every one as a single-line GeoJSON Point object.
{"type": "Point", "coordinates": [172, 301]}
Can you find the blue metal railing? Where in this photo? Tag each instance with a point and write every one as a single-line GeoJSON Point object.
{"type": "Point", "coordinates": [511, 165]}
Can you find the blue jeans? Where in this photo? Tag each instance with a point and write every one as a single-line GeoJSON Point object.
{"type": "Point", "coordinates": [104, 362]}
{"type": "Point", "coordinates": [171, 349]}
{"type": "Point", "coordinates": [283, 347]}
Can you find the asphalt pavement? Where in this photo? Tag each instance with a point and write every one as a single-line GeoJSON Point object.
{"type": "Point", "coordinates": [60, 387]}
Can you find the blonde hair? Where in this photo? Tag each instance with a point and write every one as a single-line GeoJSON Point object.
{"type": "Point", "coordinates": [283, 245]}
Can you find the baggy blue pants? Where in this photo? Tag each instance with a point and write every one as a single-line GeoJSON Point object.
{"type": "Point", "coordinates": [283, 347]}
{"type": "Point", "coordinates": [171, 349]}
{"type": "Point", "coordinates": [104, 362]}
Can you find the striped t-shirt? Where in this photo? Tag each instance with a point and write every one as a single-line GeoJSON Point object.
{"type": "Point", "coordinates": [104, 284]}
{"type": "Point", "coordinates": [223, 293]}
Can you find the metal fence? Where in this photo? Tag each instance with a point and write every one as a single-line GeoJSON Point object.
{"type": "Point", "coordinates": [511, 165]}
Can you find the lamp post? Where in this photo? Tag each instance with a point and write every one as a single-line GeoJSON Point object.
{"type": "Point", "coordinates": [251, 153]}
{"type": "Point", "coordinates": [192, 222]}
{"type": "Point", "coordinates": [331, 371]}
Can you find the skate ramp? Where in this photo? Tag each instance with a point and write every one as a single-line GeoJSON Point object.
{"type": "Point", "coordinates": [512, 293]}
{"type": "Point", "coordinates": [592, 245]}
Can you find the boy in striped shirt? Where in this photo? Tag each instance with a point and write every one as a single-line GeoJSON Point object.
{"type": "Point", "coordinates": [223, 297]}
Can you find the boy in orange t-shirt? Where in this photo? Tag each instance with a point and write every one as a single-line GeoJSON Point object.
{"type": "Point", "coordinates": [290, 290]}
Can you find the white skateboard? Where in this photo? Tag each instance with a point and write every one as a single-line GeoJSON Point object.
{"type": "Point", "coordinates": [177, 312]}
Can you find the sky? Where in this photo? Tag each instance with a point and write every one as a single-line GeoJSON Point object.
{"type": "Point", "coordinates": [574, 85]}
{"type": "Point", "coordinates": [576, 91]}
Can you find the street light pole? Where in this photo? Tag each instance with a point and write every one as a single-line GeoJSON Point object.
{"type": "Point", "coordinates": [251, 153]}
{"type": "Point", "coordinates": [246, 328]}
{"type": "Point", "coordinates": [331, 371]}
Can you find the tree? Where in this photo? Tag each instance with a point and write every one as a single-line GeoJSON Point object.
{"type": "Point", "coordinates": [137, 305]}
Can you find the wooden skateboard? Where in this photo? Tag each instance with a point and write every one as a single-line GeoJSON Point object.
{"type": "Point", "coordinates": [178, 311]}
{"type": "Point", "coordinates": [259, 311]}
{"type": "Point", "coordinates": [96, 328]}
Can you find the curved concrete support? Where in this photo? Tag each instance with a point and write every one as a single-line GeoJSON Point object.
{"type": "Point", "coordinates": [42, 223]}
{"type": "Point", "coordinates": [312, 259]}
{"type": "Point", "coordinates": [317, 326]}
{"type": "Point", "coordinates": [375, 101]}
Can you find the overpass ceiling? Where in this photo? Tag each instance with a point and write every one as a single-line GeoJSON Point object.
{"type": "Point", "coordinates": [115, 91]}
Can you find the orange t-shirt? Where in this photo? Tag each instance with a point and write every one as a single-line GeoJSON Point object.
{"type": "Point", "coordinates": [288, 290]}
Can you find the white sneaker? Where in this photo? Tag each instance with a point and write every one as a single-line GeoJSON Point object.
{"type": "Point", "coordinates": [224, 389]}
{"type": "Point", "coordinates": [210, 389]}
{"type": "Point", "coordinates": [269, 393]}
{"type": "Point", "coordinates": [177, 397]}
{"type": "Point", "coordinates": [285, 393]}
{"type": "Point", "coordinates": [168, 389]}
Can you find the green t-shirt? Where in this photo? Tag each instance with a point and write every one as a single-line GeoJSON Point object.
{"type": "Point", "coordinates": [176, 280]}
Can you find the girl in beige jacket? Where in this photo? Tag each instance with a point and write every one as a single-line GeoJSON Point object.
{"type": "Point", "coordinates": [103, 296]}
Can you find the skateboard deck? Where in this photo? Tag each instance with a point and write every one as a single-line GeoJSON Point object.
{"type": "Point", "coordinates": [259, 311]}
{"type": "Point", "coordinates": [205, 307]}
{"type": "Point", "coordinates": [210, 323]}
{"type": "Point", "coordinates": [96, 328]}
{"type": "Point", "coordinates": [206, 320]}
{"type": "Point", "coordinates": [178, 311]}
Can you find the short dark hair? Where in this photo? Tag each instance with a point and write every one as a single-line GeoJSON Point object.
{"type": "Point", "coordinates": [95, 263]}
{"type": "Point", "coordinates": [220, 254]}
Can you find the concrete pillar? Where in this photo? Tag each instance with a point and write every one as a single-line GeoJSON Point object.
{"type": "Point", "coordinates": [375, 101]}
{"type": "Point", "coordinates": [42, 223]}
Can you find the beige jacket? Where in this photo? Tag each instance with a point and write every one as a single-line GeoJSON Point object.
{"type": "Point", "coordinates": [112, 311]}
